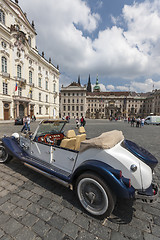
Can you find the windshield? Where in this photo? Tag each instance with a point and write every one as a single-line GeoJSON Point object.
{"type": "Point", "coordinates": [50, 127]}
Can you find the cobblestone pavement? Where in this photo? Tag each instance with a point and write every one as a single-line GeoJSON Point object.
{"type": "Point", "coordinates": [34, 207]}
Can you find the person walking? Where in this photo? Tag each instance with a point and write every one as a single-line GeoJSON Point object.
{"type": "Point", "coordinates": [142, 122]}
{"type": "Point", "coordinates": [24, 124]}
{"type": "Point", "coordinates": [28, 123]}
{"type": "Point", "coordinates": [77, 122]}
{"type": "Point", "coordinates": [132, 122]}
{"type": "Point", "coordinates": [83, 122]}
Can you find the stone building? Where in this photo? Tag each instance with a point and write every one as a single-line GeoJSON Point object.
{"type": "Point", "coordinates": [29, 82]}
{"type": "Point", "coordinates": [99, 104]}
{"type": "Point", "coordinates": [73, 100]}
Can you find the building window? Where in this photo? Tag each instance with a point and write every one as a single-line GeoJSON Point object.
{"type": "Point", "coordinates": [30, 76]}
{"type": "Point", "coordinates": [19, 71]}
{"type": "Point", "coordinates": [40, 82]}
{"type": "Point", "coordinates": [77, 108]}
{"type": "Point", "coordinates": [68, 100]}
{"type": "Point", "coordinates": [81, 108]}
{"type": "Point", "coordinates": [72, 108]}
{"type": "Point", "coordinates": [4, 64]}
{"type": "Point", "coordinates": [2, 17]}
{"type": "Point", "coordinates": [46, 85]}
{"type": "Point", "coordinates": [46, 110]}
{"type": "Point", "coordinates": [81, 100]}
{"type": "Point", "coordinates": [29, 41]}
{"type": "Point", "coordinates": [68, 108]}
{"type": "Point", "coordinates": [5, 88]}
{"type": "Point", "coordinates": [54, 99]}
{"type": "Point", "coordinates": [64, 108]}
{"type": "Point", "coordinates": [19, 91]}
{"type": "Point", "coordinates": [46, 98]}
{"type": "Point", "coordinates": [4, 45]}
{"type": "Point", "coordinates": [72, 100]}
{"type": "Point", "coordinates": [40, 110]}
{"type": "Point", "coordinates": [77, 100]}
{"type": "Point", "coordinates": [64, 100]}
{"type": "Point", "coordinates": [54, 87]}
{"type": "Point", "coordinates": [40, 96]}
{"type": "Point", "coordinates": [39, 68]}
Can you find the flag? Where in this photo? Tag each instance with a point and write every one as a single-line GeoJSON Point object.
{"type": "Point", "coordinates": [30, 90]}
{"type": "Point", "coordinates": [16, 87]}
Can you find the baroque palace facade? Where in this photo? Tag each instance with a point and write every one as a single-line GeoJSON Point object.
{"type": "Point", "coordinates": [29, 84]}
{"type": "Point", "coordinates": [76, 101]}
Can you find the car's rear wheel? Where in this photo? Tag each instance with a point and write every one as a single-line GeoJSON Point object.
{"type": "Point", "coordinates": [94, 195]}
{"type": "Point", "coordinates": [4, 156]}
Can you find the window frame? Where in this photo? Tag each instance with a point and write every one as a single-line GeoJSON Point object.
{"type": "Point", "coordinates": [4, 64]}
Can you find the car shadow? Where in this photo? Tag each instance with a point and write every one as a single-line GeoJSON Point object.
{"type": "Point", "coordinates": [122, 213]}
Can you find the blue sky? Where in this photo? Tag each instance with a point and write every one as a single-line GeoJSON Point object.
{"type": "Point", "coordinates": [119, 40]}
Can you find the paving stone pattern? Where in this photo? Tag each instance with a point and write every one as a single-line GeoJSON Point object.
{"type": "Point", "coordinates": [32, 207]}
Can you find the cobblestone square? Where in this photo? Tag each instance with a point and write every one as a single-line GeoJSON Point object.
{"type": "Point", "coordinates": [32, 207]}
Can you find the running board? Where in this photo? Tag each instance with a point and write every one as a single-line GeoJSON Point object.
{"type": "Point", "coordinates": [66, 184]}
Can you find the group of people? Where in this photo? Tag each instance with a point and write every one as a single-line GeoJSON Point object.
{"type": "Point", "coordinates": [26, 124]}
{"type": "Point", "coordinates": [80, 122]}
{"type": "Point", "coordinates": [138, 121]}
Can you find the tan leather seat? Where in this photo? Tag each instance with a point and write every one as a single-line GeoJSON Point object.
{"type": "Point", "coordinates": [80, 138]}
{"type": "Point", "coordinates": [69, 141]}
{"type": "Point", "coordinates": [71, 134]}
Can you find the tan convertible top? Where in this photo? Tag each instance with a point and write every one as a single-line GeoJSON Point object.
{"type": "Point", "coordinates": [105, 141]}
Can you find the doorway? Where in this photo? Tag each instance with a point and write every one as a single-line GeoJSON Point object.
{"type": "Point", "coordinates": [21, 110]}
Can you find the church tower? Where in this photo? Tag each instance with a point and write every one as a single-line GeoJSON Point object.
{"type": "Point", "coordinates": [89, 88]}
{"type": "Point", "coordinates": [96, 87]}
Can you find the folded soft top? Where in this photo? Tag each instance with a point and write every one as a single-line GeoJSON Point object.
{"type": "Point", "coordinates": [105, 141]}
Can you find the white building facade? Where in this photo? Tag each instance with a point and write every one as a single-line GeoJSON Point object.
{"type": "Point", "coordinates": [29, 84]}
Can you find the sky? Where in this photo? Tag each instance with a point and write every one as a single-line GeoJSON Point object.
{"type": "Point", "coordinates": [118, 41]}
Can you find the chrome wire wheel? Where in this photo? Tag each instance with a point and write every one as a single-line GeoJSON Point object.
{"type": "Point", "coordinates": [92, 196]}
{"type": "Point", "coordinates": [4, 156]}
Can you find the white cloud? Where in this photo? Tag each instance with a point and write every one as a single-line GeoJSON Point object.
{"type": "Point", "coordinates": [110, 88]}
{"type": "Point", "coordinates": [127, 54]}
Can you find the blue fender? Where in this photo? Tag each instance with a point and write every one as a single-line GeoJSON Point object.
{"type": "Point", "coordinates": [108, 174]}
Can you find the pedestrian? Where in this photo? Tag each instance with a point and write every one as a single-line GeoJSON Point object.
{"type": "Point", "coordinates": [142, 122]}
{"type": "Point", "coordinates": [28, 123]}
{"type": "Point", "coordinates": [77, 122]}
{"type": "Point", "coordinates": [24, 124]}
{"type": "Point", "coordinates": [83, 122]}
{"type": "Point", "coordinates": [132, 122]}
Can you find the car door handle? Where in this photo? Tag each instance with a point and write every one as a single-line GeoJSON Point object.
{"type": "Point", "coordinates": [71, 159]}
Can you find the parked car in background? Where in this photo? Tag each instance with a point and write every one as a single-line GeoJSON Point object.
{"type": "Point", "coordinates": [100, 170]}
{"type": "Point", "coordinates": [19, 121]}
{"type": "Point", "coordinates": [152, 120]}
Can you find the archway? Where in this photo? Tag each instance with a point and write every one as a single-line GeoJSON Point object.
{"type": "Point", "coordinates": [21, 110]}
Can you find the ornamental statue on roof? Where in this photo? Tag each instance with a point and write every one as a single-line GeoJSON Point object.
{"type": "Point", "coordinates": [96, 87]}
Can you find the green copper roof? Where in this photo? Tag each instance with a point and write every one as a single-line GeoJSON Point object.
{"type": "Point", "coordinates": [97, 87]}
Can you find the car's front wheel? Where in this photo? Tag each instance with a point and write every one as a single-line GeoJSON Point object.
{"type": "Point", "coordinates": [4, 156]}
{"type": "Point", "coordinates": [94, 195]}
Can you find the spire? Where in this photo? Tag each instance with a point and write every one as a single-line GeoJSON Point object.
{"type": "Point", "coordinates": [89, 89]}
{"type": "Point", "coordinates": [96, 87]}
{"type": "Point", "coordinates": [79, 80]}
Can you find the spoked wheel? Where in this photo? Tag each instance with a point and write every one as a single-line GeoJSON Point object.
{"type": "Point", "coordinates": [94, 195]}
{"type": "Point", "coordinates": [4, 156]}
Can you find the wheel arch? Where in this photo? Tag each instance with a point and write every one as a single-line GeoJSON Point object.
{"type": "Point", "coordinates": [106, 173]}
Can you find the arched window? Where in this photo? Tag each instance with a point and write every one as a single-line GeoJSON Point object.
{"type": "Point", "coordinates": [4, 64]}
{"type": "Point", "coordinates": [19, 71]}
{"type": "Point", "coordinates": [30, 76]}
{"type": "Point", "coordinates": [2, 17]}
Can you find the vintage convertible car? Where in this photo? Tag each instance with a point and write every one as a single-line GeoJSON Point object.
{"type": "Point", "coordinates": [99, 169]}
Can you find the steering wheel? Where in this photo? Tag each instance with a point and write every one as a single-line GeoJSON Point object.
{"type": "Point", "coordinates": [53, 138]}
